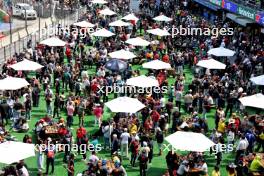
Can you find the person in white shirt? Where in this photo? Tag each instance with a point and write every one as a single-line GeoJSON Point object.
{"type": "Point", "coordinates": [241, 147]}
{"type": "Point", "coordinates": [124, 142]}
{"type": "Point", "coordinates": [203, 167]}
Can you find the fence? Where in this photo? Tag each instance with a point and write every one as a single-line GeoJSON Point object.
{"type": "Point", "coordinates": [35, 32]}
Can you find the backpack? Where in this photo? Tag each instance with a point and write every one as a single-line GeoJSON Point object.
{"type": "Point", "coordinates": [50, 154]}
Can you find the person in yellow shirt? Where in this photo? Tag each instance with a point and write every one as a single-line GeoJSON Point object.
{"type": "Point", "coordinates": [256, 165]}
{"type": "Point", "coordinates": [133, 129]}
{"type": "Point", "coordinates": [216, 171]}
{"type": "Point", "coordinates": [221, 125]}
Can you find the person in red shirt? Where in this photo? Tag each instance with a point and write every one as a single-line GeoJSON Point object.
{"type": "Point", "coordinates": [155, 116]}
{"type": "Point", "coordinates": [82, 141]}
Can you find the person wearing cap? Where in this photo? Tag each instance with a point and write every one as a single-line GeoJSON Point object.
{"type": "Point", "coordinates": [125, 136]}
{"type": "Point", "coordinates": [160, 138]}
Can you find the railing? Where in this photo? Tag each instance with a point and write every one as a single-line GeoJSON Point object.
{"type": "Point", "coordinates": [33, 33]}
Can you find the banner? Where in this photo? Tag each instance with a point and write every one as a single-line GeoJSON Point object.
{"type": "Point", "coordinates": [260, 18]}
{"type": "Point", "coordinates": [230, 6]}
{"type": "Point", "coordinates": [216, 2]}
{"type": "Point", "coordinates": [247, 12]}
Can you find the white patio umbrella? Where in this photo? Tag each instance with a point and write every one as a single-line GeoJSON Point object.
{"type": "Point", "coordinates": [102, 33]}
{"type": "Point", "coordinates": [256, 101]}
{"type": "Point", "coordinates": [259, 80]}
{"type": "Point", "coordinates": [119, 23]}
{"type": "Point", "coordinates": [211, 64]}
{"type": "Point", "coordinates": [122, 54]}
{"type": "Point", "coordinates": [53, 41]}
{"type": "Point", "coordinates": [142, 81]}
{"type": "Point", "coordinates": [26, 65]}
{"type": "Point", "coordinates": [130, 17]}
{"type": "Point", "coordinates": [221, 52]}
{"type": "Point", "coordinates": [84, 24]}
{"type": "Point", "coordinates": [12, 83]}
{"type": "Point", "coordinates": [125, 104]}
{"type": "Point", "coordinates": [189, 141]}
{"type": "Point", "coordinates": [159, 32]}
{"type": "Point", "coordinates": [107, 12]}
{"type": "Point", "coordinates": [162, 18]}
{"type": "Point", "coordinates": [12, 152]}
{"type": "Point", "coordinates": [99, 2]}
{"type": "Point", "coordinates": [156, 65]}
{"type": "Point", "coordinates": [138, 42]}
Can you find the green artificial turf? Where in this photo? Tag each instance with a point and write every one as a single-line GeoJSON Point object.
{"type": "Point", "coordinates": [158, 166]}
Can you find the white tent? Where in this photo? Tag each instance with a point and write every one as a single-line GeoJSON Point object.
{"type": "Point", "coordinates": [259, 80]}
{"type": "Point", "coordinates": [221, 52]}
{"type": "Point", "coordinates": [211, 64]}
{"type": "Point", "coordinates": [11, 83]}
{"type": "Point", "coordinates": [256, 101]}
{"type": "Point", "coordinates": [189, 141]}
{"type": "Point", "coordinates": [107, 12]}
{"type": "Point", "coordinates": [102, 33]}
{"type": "Point", "coordinates": [125, 104]}
{"type": "Point", "coordinates": [119, 23]}
{"type": "Point", "coordinates": [99, 2]}
{"type": "Point", "coordinates": [12, 152]}
{"type": "Point", "coordinates": [137, 42]}
{"type": "Point", "coordinates": [162, 18]}
{"type": "Point", "coordinates": [53, 41]}
{"type": "Point", "coordinates": [156, 65]}
{"type": "Point", "coordinates": [159, 32]}
{"type": "Point", "coordinates": [122, 54]}
{"type": "Point", "coordinates": [84, 24]}
{"type": "Point", "coordinates": [142, 81]}
{"type": "Point", "coordinates": [130, 17]}
{"type": "Point", "coordinates": [26, 65]}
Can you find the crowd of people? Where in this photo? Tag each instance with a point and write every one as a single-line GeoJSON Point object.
{"type": "Point", "coordinates": [68, 90]}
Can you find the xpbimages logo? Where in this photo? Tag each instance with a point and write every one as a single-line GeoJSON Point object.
{"type": "Point", "coordinates": [185, 31]}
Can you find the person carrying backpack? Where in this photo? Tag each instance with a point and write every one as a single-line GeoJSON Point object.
{"type": "Point", "coordinates": [143, 163]}
{"type": "Point", "coordinates": [134, 147]}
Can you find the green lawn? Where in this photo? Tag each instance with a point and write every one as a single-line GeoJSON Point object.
{"type": "Point", "coordinates": [158, 166]}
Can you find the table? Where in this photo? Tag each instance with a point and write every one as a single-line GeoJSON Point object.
{"type": "Point", "coordinates": [194, 172]}
{"type": "Point", "coordinates": [51, 130]}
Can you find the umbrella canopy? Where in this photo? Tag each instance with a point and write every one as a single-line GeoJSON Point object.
{"type": "Point", "coordinates": [137, 42]}
{"type": "Point", "coordinates": [53, 41]}
{"type": "Point", "coordinates": [84, 24]}
{"type": "Point", "coordinates": [256, 101]}
{"type": "Point", "coordinates": [11, 83]}
{"type": "Point", "coordinates": [122, 54]}
{"type": "Point", "coordinates": [26, 65]}
{"type": "Point", "coordinates": [159, 32]}
{"type": "Point", "coordinates": [119, 23]}
{"type": "Point", "coordinates": [211, 64]}
{"type": "Point", "coordinates": [125, 104]}
{"type": "Point", "coordinates": [143, 81]}
{"type": "Point", "coordinates": [221, 52]}
{"type": "Point", "coordinates": [189, 141]}
{"type": "Point", "coordinates": [259, 80]}
{"type": "Point", "coordinates": [107, 12]}
{"type": "Point", "coordinates": [12, 152]}
{"type": "Point", "coordinates": [116, 65]}
{"type": "Point", "coordinates": [99, 2]}
{"type": "Point", "coordinates": [156, 65]}
{"type": "Point", "coordinates": [130, 17]}
{"type": "Point", "coordinates": [102, 33]}
{"type": "Point", "coordinates": [162, 18]}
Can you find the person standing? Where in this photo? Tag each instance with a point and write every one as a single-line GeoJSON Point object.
{"type": "Point", "coordinates": [50, 152]}
{"type": "Point", "coordinates": [143, 163]}
{"type": "Point", "coordinates": [71, 165]}
{"type": "Point", "coordinates": [28, 107]}
{"type": "Point", "coordinates": [98, 113]}
{"type": "Point", "coordinates": [124, 142]}
{"type": "Point", "coordinates": [134, 146]}
{"type": "Point", "coordinates": [56, 106]}
{"type": "Point", "coordinates": [70, 112]}
{"type": "Point", "coordinates": [48, 98]}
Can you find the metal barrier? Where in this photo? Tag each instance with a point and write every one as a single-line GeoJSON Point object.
{"type": "Point", "coordinates": [33, 33]}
